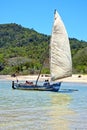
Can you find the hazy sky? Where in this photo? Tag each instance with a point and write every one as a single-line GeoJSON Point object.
{"type": "Point", "coordinates": [38, 14]}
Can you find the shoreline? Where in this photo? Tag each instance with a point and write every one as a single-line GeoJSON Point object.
{"type": "Point", "coordinates": [74, 78]}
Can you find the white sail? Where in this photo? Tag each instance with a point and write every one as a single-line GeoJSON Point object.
{"type": "Point", "coordinates": [60, 54]}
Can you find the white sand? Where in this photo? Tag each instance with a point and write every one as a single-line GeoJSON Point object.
{"type": "Point", "coordinates": [74, 78]}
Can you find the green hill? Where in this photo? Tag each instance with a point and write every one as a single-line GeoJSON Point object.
{"type": "Point", "coordinates": [23, 50]}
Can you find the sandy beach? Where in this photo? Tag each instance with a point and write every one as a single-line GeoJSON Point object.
{"type": "Point", "coordinates": [73, 78]}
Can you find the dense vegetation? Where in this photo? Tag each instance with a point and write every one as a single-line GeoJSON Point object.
{"type": "Point", "coordinates": [23, 50]}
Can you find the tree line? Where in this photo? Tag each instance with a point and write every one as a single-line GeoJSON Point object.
{"type": "Point", "coordinates": [22, 51]}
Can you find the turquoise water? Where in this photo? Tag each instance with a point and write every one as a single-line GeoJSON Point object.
{"type": "Point", "coordinates": [36, 110]}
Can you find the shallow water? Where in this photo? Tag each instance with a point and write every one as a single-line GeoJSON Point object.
{"type": "Point", "coordinates": [36, 110]}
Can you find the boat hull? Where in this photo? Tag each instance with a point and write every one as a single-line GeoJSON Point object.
{"type": "Point", "coordinates": [53, 87]}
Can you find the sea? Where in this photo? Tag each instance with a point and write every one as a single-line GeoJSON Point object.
{"type": "Point", "coordinates": [43, 110]}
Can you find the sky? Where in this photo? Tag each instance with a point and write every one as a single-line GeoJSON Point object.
{"type": "Point", "coordinates": [39, 15]}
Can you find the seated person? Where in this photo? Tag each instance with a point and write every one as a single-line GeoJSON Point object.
{"type": "Point", "coordinates": [30, 83]}
{"type": "Point", "coordinates": [46, 83]}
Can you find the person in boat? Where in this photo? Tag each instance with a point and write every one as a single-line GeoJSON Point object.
{"type": "Point", "coordinates": [30, 83]}
{"type": "Point", "coordinates": [46, 83]}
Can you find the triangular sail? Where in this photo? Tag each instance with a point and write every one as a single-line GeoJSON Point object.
{"type": "Point", "coordinates": [60, 54]}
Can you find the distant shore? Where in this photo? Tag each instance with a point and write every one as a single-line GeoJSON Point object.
{"type": "Point", "coordinates": [74, 78]}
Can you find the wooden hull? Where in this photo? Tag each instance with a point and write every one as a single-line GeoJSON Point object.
{"type": "Point", "coordinates": [53, 87]}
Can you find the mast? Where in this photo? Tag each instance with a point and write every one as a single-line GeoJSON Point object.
{"type": "Point", "coordinates": [39, 75]}
{"type": "Point", "coordinates": [43, 59]}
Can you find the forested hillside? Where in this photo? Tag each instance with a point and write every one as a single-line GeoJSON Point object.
{"type": "Point", "coordinates": [23, 50]}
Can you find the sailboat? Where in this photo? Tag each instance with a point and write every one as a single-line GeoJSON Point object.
{"type": "Point", "coordinates": [60, 59]}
